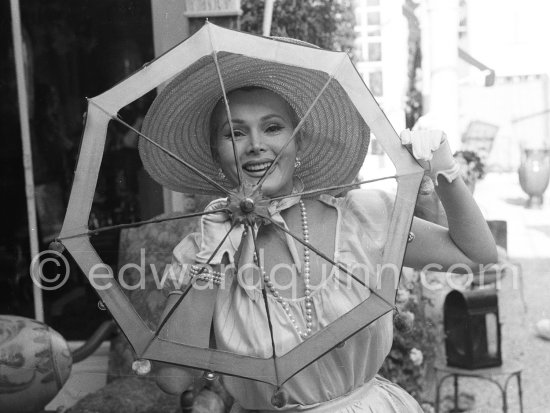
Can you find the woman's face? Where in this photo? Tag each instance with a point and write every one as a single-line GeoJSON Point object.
{"type": "Point", "coordinates": [262, 124]}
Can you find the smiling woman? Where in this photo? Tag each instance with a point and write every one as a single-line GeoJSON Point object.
{"type": "Point", "coordinates": [261, 124]}
{"type": "Point", "coordinates": [286, 138]}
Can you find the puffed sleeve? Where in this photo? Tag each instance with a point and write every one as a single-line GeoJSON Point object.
{"type": "Point", "coordinates": [372, 210]}
{"type": "Point", "coordinates": [176, 274]}
{"type": "Point", "coordinates": [365, 220]}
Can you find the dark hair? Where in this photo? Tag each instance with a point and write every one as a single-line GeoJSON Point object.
{"type": "Point", "coordinates": [212, 132]}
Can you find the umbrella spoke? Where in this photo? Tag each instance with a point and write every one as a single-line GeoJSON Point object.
{"type": "Point", "coordinates": [190, 285]}
{"type": "Point", "coordinates": [266, 302]}
{"type": "Point", "coordinates": [168, 152]}
{"type": "Point", "coordinates": [326, 258]}
{"type": "Point", "coordinates": [327, 81]}
{"type": "Point", "coordinates": [227, 110]}
{"type": "Point", "coordinates": [332, 188]}
{"type": "Point", "coordinates": [298, 127]}
{"type": "Point", "coordinates": [140, 223]}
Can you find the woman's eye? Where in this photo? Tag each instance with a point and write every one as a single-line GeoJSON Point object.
{"type": "Point", "coordinates": [274, 128]}
{"type": "Point", "coordinates": [236, 132]}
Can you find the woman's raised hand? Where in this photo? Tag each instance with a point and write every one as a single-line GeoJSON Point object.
{"type": "Point", "coordinates": [432, 149]}
{"type": "Point", "coordinates": [214, 228]}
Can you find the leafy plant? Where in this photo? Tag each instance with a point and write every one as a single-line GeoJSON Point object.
{"type": "Point", "coordinates": [413, 350]}
{"type": "Point", "coordinates": [328, 24]}
{"type": "Point", "coordinates": [473, 161]}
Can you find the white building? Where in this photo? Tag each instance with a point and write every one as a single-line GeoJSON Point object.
{"type": "Point", "coordinates": [382, 52]}
{"type": "Point", "coordinates": [382, 42]}
{"type": "Point", "coordinates": [510, 37]}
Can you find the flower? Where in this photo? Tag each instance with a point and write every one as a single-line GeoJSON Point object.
{"type": "Point", "coordinates": [404, 321]}
{"type": "Point", "coordinates": [409, 316]}
{"type": "Point", "coordinates": [413, 349]}
{"type": "Point", "coordinates": [416, 356]}
{"type": "Point", "coordinates": [402, 296]}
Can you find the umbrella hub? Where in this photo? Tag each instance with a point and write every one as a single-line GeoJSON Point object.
{"type": "Point", "coordinates": [247, 205]}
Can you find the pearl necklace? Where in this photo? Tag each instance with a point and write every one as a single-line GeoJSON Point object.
{"type": "Point", "coordinates": [307, 279]}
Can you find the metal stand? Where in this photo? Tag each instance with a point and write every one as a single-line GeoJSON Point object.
{"type": "Point", "coordinates": [508, 369]}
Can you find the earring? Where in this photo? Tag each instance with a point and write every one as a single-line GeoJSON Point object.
{"type": "Point", "coordinates": [221, 176]}
{"type": "Point", "coordinates": [298, 163]}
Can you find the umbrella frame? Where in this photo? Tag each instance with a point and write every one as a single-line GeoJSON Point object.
{"type": "Point", "coordinates": [103, 108]}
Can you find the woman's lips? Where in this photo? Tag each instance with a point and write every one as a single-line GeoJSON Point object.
{"type": "Point", "coordinates": [257, 167]}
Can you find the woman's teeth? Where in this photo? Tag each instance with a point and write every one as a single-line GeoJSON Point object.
{"type": "Point", "coordinates": [257, 167]}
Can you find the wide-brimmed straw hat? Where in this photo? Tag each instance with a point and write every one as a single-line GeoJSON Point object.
{"type": "Point", "coordinates": [334, 136]}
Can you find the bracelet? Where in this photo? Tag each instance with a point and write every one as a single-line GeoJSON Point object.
{"type": "Point", "coordinates": [450, 174]}
{"type": "Point", "coordinates": [206, 274]}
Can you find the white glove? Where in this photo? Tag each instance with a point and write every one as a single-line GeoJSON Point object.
{"type": "Point", "coordinates": [213, 228]}
{"type": "Point", "coordinates": [432, 149]}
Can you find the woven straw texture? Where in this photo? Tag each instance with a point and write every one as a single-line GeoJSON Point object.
{"type": "Point", "coordinates": [334, 136]}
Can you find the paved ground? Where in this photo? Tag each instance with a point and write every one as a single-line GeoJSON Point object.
{"type": "Point", "coordinates": [501, 197]}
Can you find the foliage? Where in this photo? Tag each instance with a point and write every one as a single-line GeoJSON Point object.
{"type": "Point", "coordinates": [413, 349]}
{"type": "Point", "coordinates": [328, 24]}
{"type": "Point", "coordinates": [476, 166]}
{"type": "Point", "coordinates": [413, 100]}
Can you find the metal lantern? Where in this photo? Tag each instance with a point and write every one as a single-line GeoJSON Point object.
{"type": "Point", "coordinates": [472, 329]}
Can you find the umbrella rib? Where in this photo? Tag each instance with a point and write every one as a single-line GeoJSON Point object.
{"type": "Point", "coordinates": [168, 152]}
{"type": "Point", "coordinates": [226, 105]}
{"type": "Point", "coordinates": [266, 302]}
{"type": "Point", "coordinates": [299, 126]}
{"type": "Point", "coordinates": [332, 188]}
{"type": "Point", "coordinates": [139, 223]}
{"type": "Point", "coordinates": [326, 258]}
{"type": "Point", "coordinates": [190, 285]}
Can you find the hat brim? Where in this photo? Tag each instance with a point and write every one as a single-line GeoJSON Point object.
{"type": "Point", "coordinates": [335, 137]}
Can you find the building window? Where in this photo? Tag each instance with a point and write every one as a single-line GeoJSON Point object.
{"type": "Point", "coordinates": [462, 19]}
{"type": "Point", "coordinates": [373, 31]}
{"type": "Point", "coordinates": [375, 52]}
{"type": "Point", "coordinates": [373, 18]}
{"type": "Point", "coordinates": [375, 83]}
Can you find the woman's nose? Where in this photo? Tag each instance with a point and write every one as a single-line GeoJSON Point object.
{"type": "Point", "coordinates": [255, 144]}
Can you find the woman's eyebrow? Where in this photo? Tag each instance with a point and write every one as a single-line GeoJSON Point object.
{"type": "Point", "coordinates": [262, 119]}
{"type": "Point", "coordinates": [226, 123]}
{"type": "Point", "coordinates": [273, 115]}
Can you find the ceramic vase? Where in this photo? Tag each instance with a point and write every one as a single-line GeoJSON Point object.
{"type": "Point", "coordinates": [534, 175]}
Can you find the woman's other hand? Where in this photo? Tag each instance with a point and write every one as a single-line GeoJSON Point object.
{"type": "Point", "coordinates": [468, 240]}
{"type": "Point", "coordinates": [174, 379]}
{"type": "Point", "coordinates": [431, 148]}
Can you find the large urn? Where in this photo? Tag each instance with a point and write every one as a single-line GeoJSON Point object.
{"type": "Point", "coordinates": [534, 175]}
{"type": "Point", "coordinates": [35, 362]}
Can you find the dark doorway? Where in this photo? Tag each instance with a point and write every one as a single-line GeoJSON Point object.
{"type": "Point", "coordinates": [75, 49]}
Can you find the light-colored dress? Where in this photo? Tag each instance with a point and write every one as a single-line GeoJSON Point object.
{"type": "Point", "coordinates": [344, 380]}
